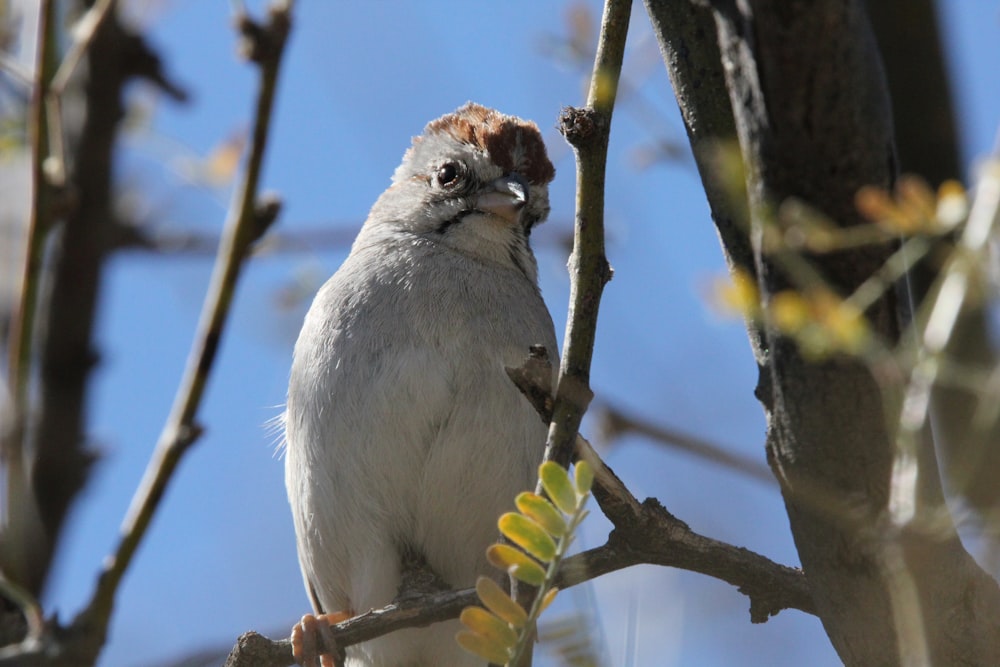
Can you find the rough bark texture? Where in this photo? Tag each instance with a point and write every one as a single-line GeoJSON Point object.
{"type": "Point", "coordinates": [810, 109]}
{"type": "Point", "coordinates": [917, 75]}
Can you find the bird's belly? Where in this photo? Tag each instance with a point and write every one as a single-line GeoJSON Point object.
{"type": "Point", "coordinates": [422, 458]}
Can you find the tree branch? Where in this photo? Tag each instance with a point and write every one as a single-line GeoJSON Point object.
{"type": "Point", "coordinates": [26, 546]}
{"type": "Point", "coordinates": [613, 423]}
{"type": "Point", "coordinates": [50, 423]}
{"type": "Point", "coordinates": [247, 221]}
{"type": "Point", "coordinates": [243, 226]}
{"type": "Point", "coordinates": [806, 94]}
{"type": "Point", "coordinates": [587, 130]}
{"type": "Point", "coordinates": [644, 533]}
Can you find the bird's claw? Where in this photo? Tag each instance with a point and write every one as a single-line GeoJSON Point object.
{"type": "Point", "coordinates": [305, 647]}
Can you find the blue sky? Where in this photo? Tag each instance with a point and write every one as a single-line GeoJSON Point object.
{"type": "Point", "coordinates": [360, 79]}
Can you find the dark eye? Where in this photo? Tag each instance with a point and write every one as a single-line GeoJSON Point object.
{"type": "Point", "coordinates": [447, 175]}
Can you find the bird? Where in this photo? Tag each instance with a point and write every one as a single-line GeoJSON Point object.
{"type": "Point", "coordinates": [405, 439]}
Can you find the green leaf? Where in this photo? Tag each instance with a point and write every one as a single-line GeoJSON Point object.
{"type": "Point", "coordinates": [529, 574]}
{"type": "Point", "coordinates": [481, 646]}
{"type": "Point", "coordinates": [516, 563]}
{"type": "Point", "coordinates": [584, 477]}
{"type": "Point", "coordinates": [528, 535]}
{"type": "Point", "coordinates": [550, 595]}
{"type": "Point", "coordinates": [489, 626]}
{"type": "Point", "coordinates": [555, 481]}
{"type": "Point", "coordinates": [497, 601]}
{"type": "Point", "coordinates": [542, 511]}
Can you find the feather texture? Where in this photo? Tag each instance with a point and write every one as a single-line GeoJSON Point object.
{"type": "Point", "coordinates": [403, 430]}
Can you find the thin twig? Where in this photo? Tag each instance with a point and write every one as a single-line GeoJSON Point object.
{"type": "Point", "coordinates": [645, 532]}
{"type": "Point", "coordinates": [28, 606]}
{"type": "Point", "coordinates": [246, 222]}
{"type": "Point", "coordinates": [16, 71]}
{"type": "Point", "coordinates": [614, 423]}
{"type": "Point", "coordinates": [22, 532]}
{"type": "Point", "coordinates": [984, 217]}
{"type": "Point", "coordinates": [587, 130]}
{"type": "Point", "coordinates": [41, 206]}
{"type": "Point", "coordinates": [84, 32]}
{"type": "Point", "coordinates": [904, 491]}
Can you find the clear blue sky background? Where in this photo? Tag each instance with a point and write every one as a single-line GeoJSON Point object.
{"type": "Point", "coordinates": [360, 79]}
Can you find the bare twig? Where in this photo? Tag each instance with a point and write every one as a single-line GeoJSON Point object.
{"type": "Point", "coordinates": [647, 533]}
{"type": "Point", "coordinates": [241, 230]}
{"type": "Point", "coordinates": [22, 532]}
{"type": "Point", "coordinates": [587, 130]}
{"type": "Point", "coordinates": [247, 220]}
{"type": "Point", "coordinates": [906, 505]}
{"type": "Point", "coordinates": [41, 205]}
{"type": "Point", "coordinates": [419, 612]}
{"type": "Point", "coordinates": [51, 77]}
{"type": "Point", "coordinates": [85, 30]}
{"type": "Point", "coordinates": [52, 342]}
{"type": "Point", "coordinates": [614, 422]}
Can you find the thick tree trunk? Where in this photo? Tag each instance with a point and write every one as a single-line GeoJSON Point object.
{"type": "Point", "coordinates": [809, 107]}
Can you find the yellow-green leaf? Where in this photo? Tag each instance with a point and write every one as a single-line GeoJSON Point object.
{"type": "Point", "coordinates": [584, 477]}
{"type": "Point", "coordinates": [547, 600]}
{"type": "Point", "coordinates": [489, 626]}
{"type": "Point", "coordinates": [529, 574]}
{"type": "Point", "coordinates": [516, 563]}
{"type": "Point", "coordinates": [542, 511]}
{"type": "Point", "coordinates": [528, 535]}
{"type": "Point", "coordinates": [497, 601]}
{"type": "Point", "coordinates": [555, 481]}
{"type": "Point", "coordinates": [481, 646]}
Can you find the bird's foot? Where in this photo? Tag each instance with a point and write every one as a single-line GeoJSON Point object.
{"type": "Point", "coordinates": [304, 643]}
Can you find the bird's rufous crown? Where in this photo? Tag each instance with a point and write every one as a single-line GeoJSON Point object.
{"type": "Point", "coordinates": [515, 145]}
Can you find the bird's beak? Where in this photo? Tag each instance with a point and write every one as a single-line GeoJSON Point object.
{"type": "Point", "coordinates": [504, 197]}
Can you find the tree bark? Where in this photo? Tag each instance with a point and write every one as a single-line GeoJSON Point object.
{"type": "Point", "coordinates": [808, 102]}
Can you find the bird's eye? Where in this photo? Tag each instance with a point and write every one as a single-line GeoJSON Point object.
{"type": "Point", "coordinates": [447, 175]}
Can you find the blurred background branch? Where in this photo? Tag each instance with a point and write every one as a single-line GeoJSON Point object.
{"type": "Point", "coordinates": [73, 193]}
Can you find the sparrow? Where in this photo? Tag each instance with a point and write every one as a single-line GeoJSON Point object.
{"type": "Point", "coordinates": [405, 438]}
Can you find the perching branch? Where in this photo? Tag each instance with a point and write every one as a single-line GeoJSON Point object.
{"type": "Point", "coordinates": [248, 219]}
{"type": "Point", "coordinates": [644, 533]}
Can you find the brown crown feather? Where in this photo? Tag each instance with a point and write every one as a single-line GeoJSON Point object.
{"type": "Point", "coordinates": [512, 143]}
